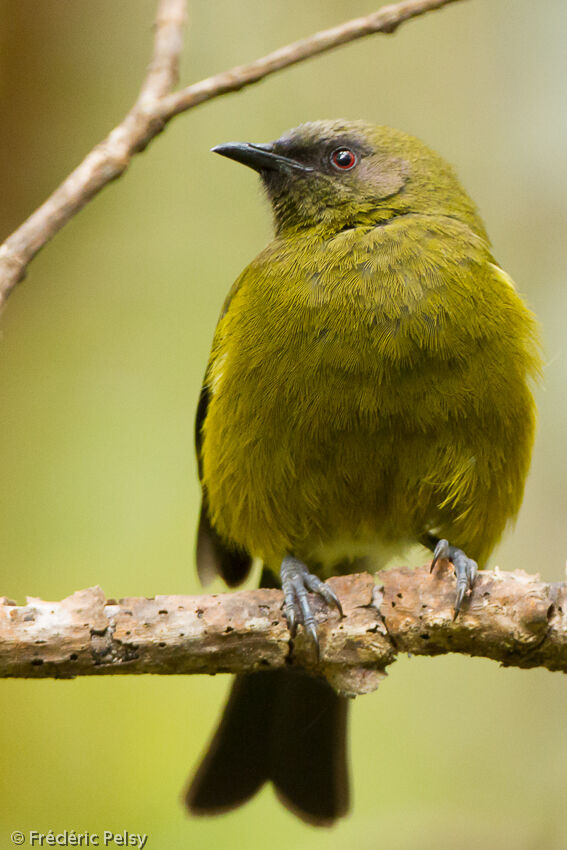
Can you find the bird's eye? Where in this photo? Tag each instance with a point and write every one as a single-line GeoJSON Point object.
{"type": "Point", "coordinates": [343, 158]}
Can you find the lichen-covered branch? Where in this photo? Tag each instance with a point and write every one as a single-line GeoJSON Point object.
{"type": "Point", "coordinates": [157, 104]}
{"type": "Point", "coordinates": [513, 618]}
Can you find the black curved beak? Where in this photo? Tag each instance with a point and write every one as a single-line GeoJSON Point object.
{"type": "Point", "coordinates": [259, 157]}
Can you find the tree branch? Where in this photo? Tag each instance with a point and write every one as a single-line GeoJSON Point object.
{"type": "Point", "coordinates": [156, 105]}
{"type": "Point", "coordinates": [386, 20]}
{"type": "Point", "coordinates": [108, 160]}
{"type": "Point", "coordinates": [513, 618]}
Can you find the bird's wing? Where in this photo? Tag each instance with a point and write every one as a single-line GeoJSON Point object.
{"type": "Point", "coordinates": [214, 555]}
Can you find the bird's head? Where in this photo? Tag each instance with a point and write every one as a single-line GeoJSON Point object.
{"type": "Point", "coordinates": [332, 175]}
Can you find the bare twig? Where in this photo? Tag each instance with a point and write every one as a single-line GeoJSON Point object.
{"type": "Point", "coordinates": [386, 20]}
{"type": "Point", "coordinates": [107, 160]}
{"type": "Point", "coordinates": [513, 618]}
{"type": "Point", "coordinates": [156, 105]}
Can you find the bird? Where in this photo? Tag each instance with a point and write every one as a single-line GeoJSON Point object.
{"type": "Point", "coordinates": [370, 386]}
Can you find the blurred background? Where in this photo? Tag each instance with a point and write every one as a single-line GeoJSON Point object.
{"type": "Point", "coordinates": [102, 353]}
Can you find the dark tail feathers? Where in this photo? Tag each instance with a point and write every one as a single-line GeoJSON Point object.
{"type": "Point", "coordinates": [283, 726]}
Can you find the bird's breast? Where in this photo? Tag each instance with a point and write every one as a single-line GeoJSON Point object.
{"type": "Point", "coordinates": [339, 375]}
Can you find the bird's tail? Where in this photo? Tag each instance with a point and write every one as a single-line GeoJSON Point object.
{"type": "Point", "coordinates": [281, 726]}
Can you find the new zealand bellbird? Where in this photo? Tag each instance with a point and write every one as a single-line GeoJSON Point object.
{"type": "Point", "coordinates": [368, 387]}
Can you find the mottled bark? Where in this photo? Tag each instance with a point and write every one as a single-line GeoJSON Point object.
{"type": "Point", "coordinates": [513, 618]}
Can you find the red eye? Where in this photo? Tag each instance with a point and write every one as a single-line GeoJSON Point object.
{"type": "Point", "coordinates": [343, 159]}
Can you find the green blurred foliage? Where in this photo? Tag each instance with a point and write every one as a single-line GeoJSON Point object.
{"type": "Point", "coordinates": [102, 353]}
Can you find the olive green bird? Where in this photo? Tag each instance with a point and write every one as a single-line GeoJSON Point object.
{"type": "Point", "coordinates": [368, 388]}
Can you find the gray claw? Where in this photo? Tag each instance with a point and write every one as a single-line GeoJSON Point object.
{"type": "Point", "coordinates": [315, 584]}
{"type": "Point", "coordinates": [461, 590]}
{"type": "Point", "coordinates": [311, 630]}
{"type": "Point", "coordinates": [465, 568]}
{"type": "Point", "coordinates": [441, 551]}
{"type": "Point", "coordinates": [296, 581]}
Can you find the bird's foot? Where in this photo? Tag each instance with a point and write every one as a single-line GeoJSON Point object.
{"type": "Point", "coordinates": [465, 568]}
{"type": "Point", "coordinates": [296, 581]}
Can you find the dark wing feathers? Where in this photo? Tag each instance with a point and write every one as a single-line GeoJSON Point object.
{"type": "Point", "coordinates": [214, 555]}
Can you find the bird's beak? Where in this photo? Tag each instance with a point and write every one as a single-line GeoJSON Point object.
{"type": "Point", "coordinates": [259, 157]}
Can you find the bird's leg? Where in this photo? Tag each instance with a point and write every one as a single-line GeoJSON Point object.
{"type": "Point", "coordinates": [296, 581]}
{"type": "Point", "coordinates": [465, 568]}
